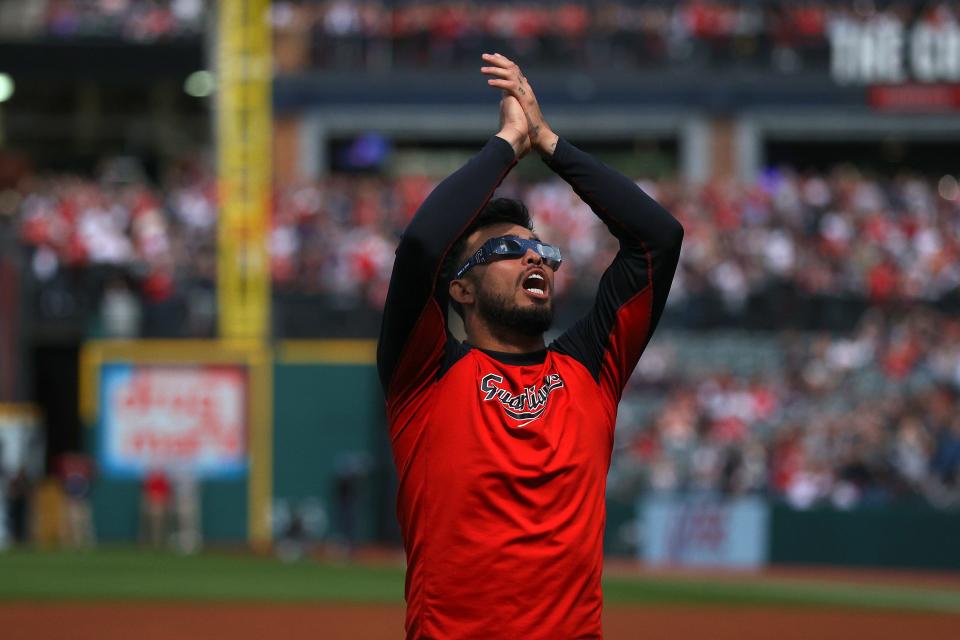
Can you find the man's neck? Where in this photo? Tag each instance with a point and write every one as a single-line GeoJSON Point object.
{"type": "Point", "coordinates": [504, 341]}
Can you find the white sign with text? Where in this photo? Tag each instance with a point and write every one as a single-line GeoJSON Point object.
{"type": "Point", "coordinates": [185, 417]}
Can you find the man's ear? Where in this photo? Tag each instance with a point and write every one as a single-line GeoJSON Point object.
{"type": "Point", "coordinates": [462, 291]}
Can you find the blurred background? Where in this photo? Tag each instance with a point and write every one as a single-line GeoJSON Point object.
{"type": "Point", "coordinates": [199, 204]}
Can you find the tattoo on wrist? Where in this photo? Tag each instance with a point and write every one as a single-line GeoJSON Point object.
{"type": "Point", "coordinates": [550, 147]}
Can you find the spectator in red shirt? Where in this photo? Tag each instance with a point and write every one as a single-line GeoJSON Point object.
{"type": "Point", "coordinates": [156, 501]}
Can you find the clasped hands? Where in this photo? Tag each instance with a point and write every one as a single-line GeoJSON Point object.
{"type": "Point", "coordinates": [521, 121]}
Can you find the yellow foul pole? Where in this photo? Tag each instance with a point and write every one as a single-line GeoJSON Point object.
{"type": "Point", "coordinates": [244, 144]}
{"type": "Point", "coordinates": [244, 163]}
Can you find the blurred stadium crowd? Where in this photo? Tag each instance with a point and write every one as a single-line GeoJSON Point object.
{"type": "Point", "coordinates": [132, 20]}
{"type": "Point", "coordinates": [810, 350]}
{"type": "Point", "coordinates": [840, 234]}
{"type": "Point", "coordinates": [776, 35]}
{"type": "Point", "coordinates": [833, 412]}
{"type": "Point", "coordinates": [870, 417]}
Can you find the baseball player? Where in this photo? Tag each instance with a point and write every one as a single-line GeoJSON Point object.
{"type": "Point", "coordinates": [502, 443]}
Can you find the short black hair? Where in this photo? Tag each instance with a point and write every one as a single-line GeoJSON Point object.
{"type": "Point", "coordinates": [496, 211]}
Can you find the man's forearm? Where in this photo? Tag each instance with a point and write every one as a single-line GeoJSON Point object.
{"type": "Point", "coordinates": [633, 290]}
{"type": "Point", "coordinates": [628, 212]}
{"type": "Point", "coordinates": [455, 201]}
{"type": "Point", "coordinates": [440, 220]}
{"type": "Point", "coordinates": [436, 226]}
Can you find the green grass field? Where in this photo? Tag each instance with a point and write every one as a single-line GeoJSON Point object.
{"type": "Point", "coordinates": [124, 574]}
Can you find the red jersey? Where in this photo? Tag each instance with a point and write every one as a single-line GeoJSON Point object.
{"type": "Point", "coordinates": [502, 458]}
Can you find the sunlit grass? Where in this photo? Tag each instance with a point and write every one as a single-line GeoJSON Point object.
{"type": "Point", "coordinates": [127, 574]}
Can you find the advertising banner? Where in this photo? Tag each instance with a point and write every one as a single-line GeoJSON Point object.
{"type": "Point", "coordinates": [190, 418]}
{"type": "Point", "coordinates": [705, 532]}
{"type": "Point", "coordinates": [885, 49]}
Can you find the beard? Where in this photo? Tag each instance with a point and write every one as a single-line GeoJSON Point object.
{"type": "Point", "coordinates": [504, 316]}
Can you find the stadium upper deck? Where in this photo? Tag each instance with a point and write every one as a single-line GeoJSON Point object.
{"type": "Point", "coordinates": [722, 80]}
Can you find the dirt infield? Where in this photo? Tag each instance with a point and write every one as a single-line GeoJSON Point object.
{"type": "Point", "coordinates": [239, 621]}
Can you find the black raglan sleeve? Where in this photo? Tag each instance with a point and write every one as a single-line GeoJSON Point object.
{"type": "Point", "coordinates": [634, 288]}
{"type": "Point", "coordinates": [413, 331]}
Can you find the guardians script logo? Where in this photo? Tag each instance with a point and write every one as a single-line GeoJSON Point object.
{"type": "Point", "coordinates": [526, 406]}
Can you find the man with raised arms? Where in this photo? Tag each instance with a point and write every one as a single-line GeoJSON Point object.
{"type": "Point", "coordinates": [502, 443]}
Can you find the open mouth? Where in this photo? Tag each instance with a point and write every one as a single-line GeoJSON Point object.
{"type": "Point", "coordinates": [535, 285]}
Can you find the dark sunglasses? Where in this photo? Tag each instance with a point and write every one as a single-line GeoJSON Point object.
{"type": "Point", "coordinates": [511, 247]}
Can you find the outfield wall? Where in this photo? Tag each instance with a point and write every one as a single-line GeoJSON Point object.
{"type": "Point", "coordinates": [749, 533]}
{"type": "Point", "coordinates": [316, 439]}
{"type": "Point", "coordinates": [915, 536]}
{"type": "Point", "coordinates": [329, 434]}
